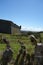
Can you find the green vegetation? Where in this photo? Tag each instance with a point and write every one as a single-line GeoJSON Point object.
{"type": "Point", "coordinates": [15, 45]}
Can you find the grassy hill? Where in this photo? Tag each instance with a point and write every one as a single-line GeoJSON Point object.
{"type": "Point", "coordinates": [15, 45]}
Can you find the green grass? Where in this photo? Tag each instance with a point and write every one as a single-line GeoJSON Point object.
{"type": "Point", "coordinates": [16, 46]}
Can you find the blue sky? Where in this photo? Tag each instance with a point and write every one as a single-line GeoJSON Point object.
{"type": "Point", "coordinates": [27, 13]}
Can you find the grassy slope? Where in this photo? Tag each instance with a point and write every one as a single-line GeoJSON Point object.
{"type": "Point", "coordinates": [15, 45]}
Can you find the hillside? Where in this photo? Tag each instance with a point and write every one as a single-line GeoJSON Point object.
{"type": "Point", "coordinates": [15, 45]}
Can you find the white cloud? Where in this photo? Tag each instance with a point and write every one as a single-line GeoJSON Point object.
{"type": "Point", "coordinates": [31, 28]}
